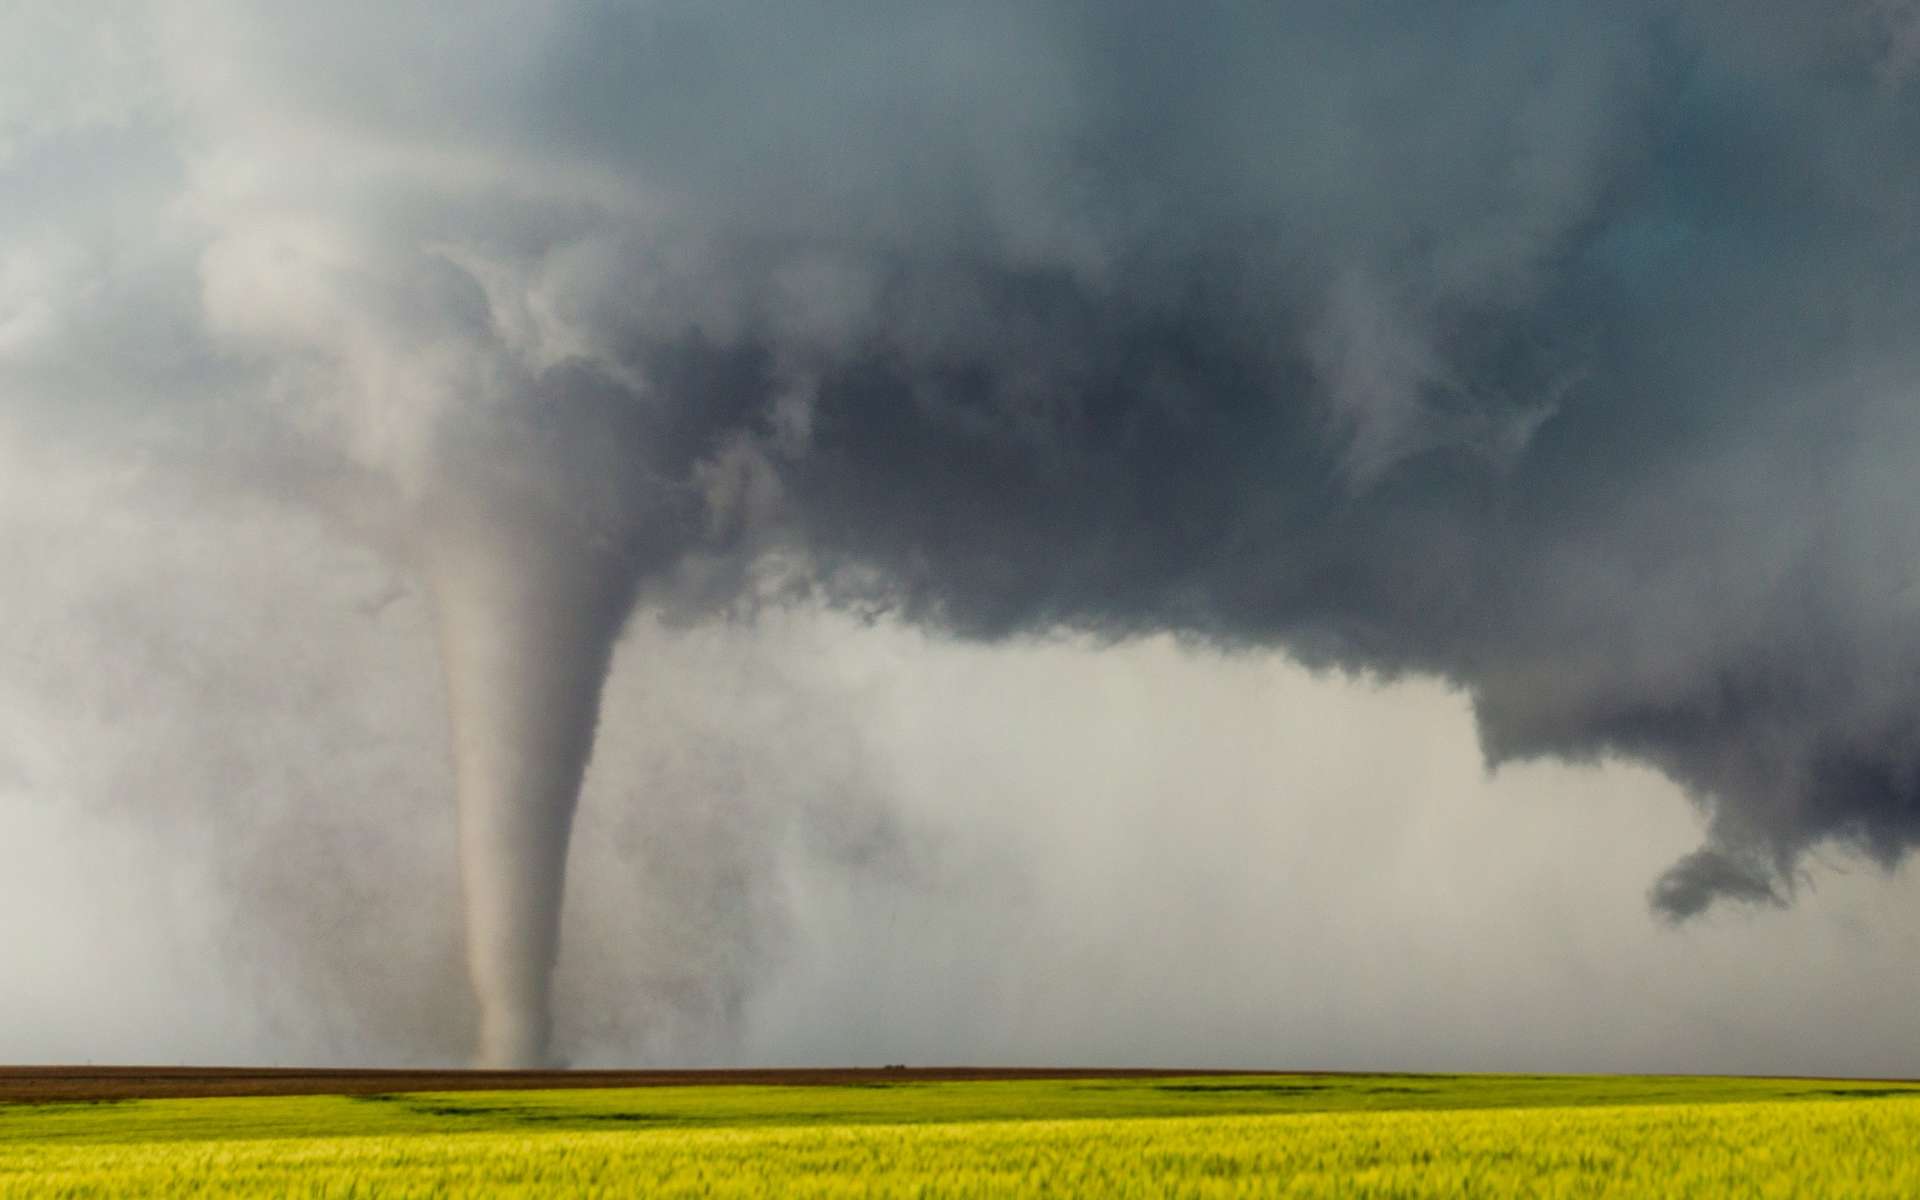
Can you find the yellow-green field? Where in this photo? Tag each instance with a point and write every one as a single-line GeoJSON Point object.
{"type": "Point", "coordinates": [1373, 1136]}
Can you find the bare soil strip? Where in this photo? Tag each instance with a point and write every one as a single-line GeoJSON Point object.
{"type": "Point", "coordinates": [93, 1084]}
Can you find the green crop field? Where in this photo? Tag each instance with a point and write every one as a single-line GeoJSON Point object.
{"type": "Point", "coordinates": [1362, 1136]}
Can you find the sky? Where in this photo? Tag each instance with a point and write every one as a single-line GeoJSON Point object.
{"type": "Point", "coordinates": [1295, 535]}
{"type": "Point", "coordinates": [228, 838]}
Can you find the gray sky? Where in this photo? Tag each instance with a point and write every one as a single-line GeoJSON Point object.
{"type": "Point", "coordinates": [228, 838]}
{"type": "Point", "coordinates": [972, 422]}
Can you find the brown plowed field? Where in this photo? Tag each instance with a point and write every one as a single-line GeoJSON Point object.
{"type": "Point", "coordinates": [55, 1084]}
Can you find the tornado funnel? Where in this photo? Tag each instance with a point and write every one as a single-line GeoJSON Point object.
{"type": "Point", "coordinates": [527, 616]}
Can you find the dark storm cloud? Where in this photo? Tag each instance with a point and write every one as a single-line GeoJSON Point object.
{"type": "Point", "coordinates": [1561, 350]}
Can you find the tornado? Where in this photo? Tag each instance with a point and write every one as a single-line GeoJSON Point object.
{"type": "Point", "coordinates": [527, 610]}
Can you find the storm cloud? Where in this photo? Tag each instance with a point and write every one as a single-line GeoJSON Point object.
{"type": "Point", "coordinates": [1559, 351]}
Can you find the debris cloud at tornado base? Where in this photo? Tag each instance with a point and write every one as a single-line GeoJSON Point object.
{"type": "Point", "coordinates": [1560, 351]}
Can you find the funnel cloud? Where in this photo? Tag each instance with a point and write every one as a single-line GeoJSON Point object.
{"type": "Point", "coordinates": [1557, 351]}
{"type": "Point", "coordinates": [527, 624]}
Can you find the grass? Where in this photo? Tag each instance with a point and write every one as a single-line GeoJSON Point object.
{"type": "Point", "coordinates": [1366, 1136]}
